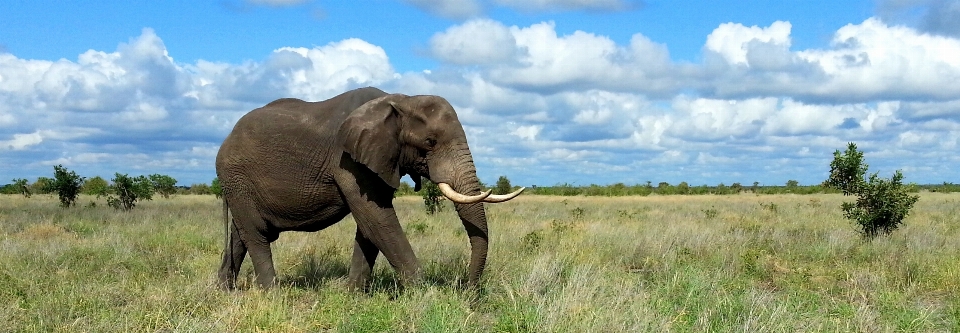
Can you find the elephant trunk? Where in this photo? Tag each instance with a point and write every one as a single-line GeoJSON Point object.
{"type": "Point", "coordinates": [462, 177]}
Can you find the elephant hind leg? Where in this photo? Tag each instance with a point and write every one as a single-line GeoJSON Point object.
{"type": "Point", "coordinates": [253, 232]}
{"type": "Point", "coordinates": [364, 256]}
{"type": "Point", "coordinates": [233, 254]}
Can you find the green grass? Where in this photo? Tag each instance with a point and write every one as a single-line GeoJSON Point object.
{"type": "Point", "coordinates": [769, 263]}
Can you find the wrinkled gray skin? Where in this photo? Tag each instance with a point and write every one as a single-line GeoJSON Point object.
{"type": "Point", "coordinates": [303, 166]}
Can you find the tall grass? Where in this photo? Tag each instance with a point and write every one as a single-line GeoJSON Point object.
{"type": "Point", "coordinates": [770, 263]}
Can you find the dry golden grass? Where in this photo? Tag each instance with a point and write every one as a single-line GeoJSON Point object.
{"type": "Point", "coordinates": [781, 263]}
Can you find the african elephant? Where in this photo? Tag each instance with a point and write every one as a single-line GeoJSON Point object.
{"type": "Point", "coordinates": [293, 165]}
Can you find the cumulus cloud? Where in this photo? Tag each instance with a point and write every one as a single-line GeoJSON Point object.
{"type": "Point", "coordinates": [731, 40]}
{"type": "Point", "coordinates": [753, 98]}
{"type": "Point", "coordinates": [933, 16]}
{"type": "Point", "coordinates": [581, 106]}
{"type": "Point", "coordinates": [536, 58]}
{"type": "Point", "coordinates": [477, 42]}
{"type": "Point", "coordinates": [139, 103]}
{"type": "Point", "coordinates": [21, 141]}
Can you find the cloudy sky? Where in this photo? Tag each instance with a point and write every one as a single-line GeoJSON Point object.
{"type": "Point", "coordinates": [549, 91]}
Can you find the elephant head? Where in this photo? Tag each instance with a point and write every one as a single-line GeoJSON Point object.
{"type": "Point", "coordinates": [421, 136]}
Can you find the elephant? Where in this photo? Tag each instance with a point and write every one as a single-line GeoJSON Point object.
{"type": "Point", "coordinates": [293, 165]}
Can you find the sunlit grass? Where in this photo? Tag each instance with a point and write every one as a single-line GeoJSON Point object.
{"type": "Point", "coordinates": [771, 263]}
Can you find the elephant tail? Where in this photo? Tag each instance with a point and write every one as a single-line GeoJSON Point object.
{"type": "Point", "coordinates": [226, 225]}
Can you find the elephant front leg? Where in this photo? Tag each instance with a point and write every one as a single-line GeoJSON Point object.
{"type": "Point", "coordinates": [364, 256]}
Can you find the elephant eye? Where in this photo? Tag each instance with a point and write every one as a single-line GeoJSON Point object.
{"type": "Point", "coordinates": [431, 142]}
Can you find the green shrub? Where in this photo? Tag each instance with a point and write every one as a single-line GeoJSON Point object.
{"type": "Point", "coordinates": [67, 185]}
{"type": "Point", "coordinates": [403, 189]}
{"type": "Point", "coordinates": [431, 196]}
{"type": "Point", "coordinates": [200, 188]}
{"type": "Point", "coordinates": [43, 185]}
{"type": "Point", "coordinates": [95, 186]}
{"type": "Point", "coordinates": [129, 190]}
{"type": "Point", "coordinates": [163, 184]}
{"type": "Point", "coordinates": [20, 186]}
{"type": "Point", "coordinates": [881, 204]}
{"type": "Point", "coordinates": [503, 186]}
{"type": "Point", "coordinates": [215, 187]}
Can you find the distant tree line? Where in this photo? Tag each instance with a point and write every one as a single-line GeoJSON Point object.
{"type": "Point", "coordinates": [166, 186]}
{"type": "Point", "coordinates": [122, 192]}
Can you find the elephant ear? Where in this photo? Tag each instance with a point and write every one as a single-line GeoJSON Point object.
{"type": "Point", "coordinates": [371, 135]}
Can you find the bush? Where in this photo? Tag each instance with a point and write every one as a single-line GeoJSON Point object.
{"type": "Point", "coordinates": [503, 186]}
{"type": "Point", "coordinates": [431, 196]}
{"type": "Point", "coordinates": [43, 185]}
{"type": "Point", "coordinates": [20, 186]}
{"type": "Point", "coordinates": [95, 186]}
{"type": "Point", "coordinates": [200, 188]}
{"type": "Point", "coordinates": [403, 189]}
{"type": "Point", "coordinates": [67, 185]}
{"type": "Point", "coordinates": [881, 204]}
{"type": "Point", "coordinates": [129, 190]}
{"type": "Point", "coordinates": [215, 187]}
{"type": "Point", "coordinates": [736, 188]}
{"type": "Point", "coordinates": [163, 184]}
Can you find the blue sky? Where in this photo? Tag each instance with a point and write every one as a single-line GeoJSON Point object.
{"type": "Point", "coordinates": [549, 91]}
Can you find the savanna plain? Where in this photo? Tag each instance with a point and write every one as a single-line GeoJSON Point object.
{"type": "Point", "coordinates": [708, 263]}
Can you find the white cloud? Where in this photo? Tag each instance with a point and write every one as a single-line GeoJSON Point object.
{"type": "Point", "coordinates": [527, 132]}
{"type": "Point", "coordinates": [873, 59]}
{"type": "Point", "coordinates": [480, 41]}
{"type": "Point", "coordinates": [574, 104]}
{"type": "Point", "coordinates": [731, 40]}
{"type": "Point", "coordinates": [138, 102]}
{"type": "Point", "coordinates": [21, 141]}
{"type": "Point", "coordinates": [713, 119]}
{"type": "Point", "coordinates": [322, 72]}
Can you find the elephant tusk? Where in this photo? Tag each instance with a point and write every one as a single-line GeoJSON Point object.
{"type": "Point", "coordinates": [457, 197]}
{"type": "Point", "coordinates": [495, 198]}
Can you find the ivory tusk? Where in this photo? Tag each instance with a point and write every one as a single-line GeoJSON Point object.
{"type": "Point", "coordinates": [495, 198]}
{"type": "Point", "coordinates": [457, 197]}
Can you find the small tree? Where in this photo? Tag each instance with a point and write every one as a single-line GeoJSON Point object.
{"type": "Point", "coordinates": [683, 188]}
{"type": "Point", "coordinates": [129, 190]}
{"type": "Point", "coordinates": [215, 187]}
{"type": "Point", "coordinates": [722, 189]}
{"type": "Point", "coordinates": [664, 188]}
{"type": "Point", "coordinates": [67, 185]}
{"type": "Point", "coordinates": [431, 196]}
{"type": "Point", "coordinates": [403, 189]}
{"type": "Point", "coordinates": [95, 186]}
{"type": "Point", "coordinates": [881, 204]}
{"type": "Point", "coordinates": [503, 186]}
{"type": "Point", "coordinates": [792, 186]}
{"type": "Point", "coordinates": [201, 188]}
{"type": "Point", "coordinates": [43, 185]}
{"type": "Point", "coordinates": [736, 188]}
{"type": "Point", "coordinates": [20, 185]}
{"type": "Point", "coordinates": [163, 184]}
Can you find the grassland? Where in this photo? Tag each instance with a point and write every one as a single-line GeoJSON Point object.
{"type": "Point", "coordinates": [738, 263]}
